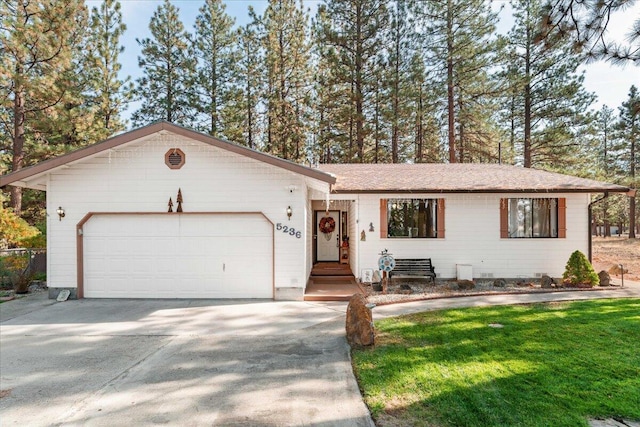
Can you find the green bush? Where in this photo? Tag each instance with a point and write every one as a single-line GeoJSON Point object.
{"type": "Point", "coordinates": [579, 271]}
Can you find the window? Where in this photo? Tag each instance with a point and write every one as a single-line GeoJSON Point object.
{"type": "Point", "coordinates": [532, 218]}
{"type": "Point", "coordinates": [412, 218]}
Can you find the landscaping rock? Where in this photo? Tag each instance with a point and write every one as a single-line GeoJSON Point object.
{"type": "Point", "coordinates": [359, 323]}
{"type": "Point", "coordinates": [605, 278]}
{"type": "Point", "coordinates": [547, 282]}
{"type": "Point", "coordinates": [405, 289]}
{"type": "Point", "coordinates": [466, 285]}
{"type": "Point", "coordinates": [500, 283]}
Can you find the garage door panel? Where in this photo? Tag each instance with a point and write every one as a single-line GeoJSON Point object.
{"type": "Point", "coordinates": [178, 256]}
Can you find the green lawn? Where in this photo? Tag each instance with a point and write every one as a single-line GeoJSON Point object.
{"type": "Point", "coordinates": [549, 365]}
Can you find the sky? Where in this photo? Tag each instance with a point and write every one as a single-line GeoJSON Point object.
{"type": "Point", "coordinates": [610, 83]}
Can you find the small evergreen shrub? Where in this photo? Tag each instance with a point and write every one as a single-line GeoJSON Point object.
{"type": "Point", "coordinates": [579, 271]}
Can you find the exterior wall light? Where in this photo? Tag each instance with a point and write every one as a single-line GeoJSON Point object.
{"type": "Point", "coordinates": [289, 212]}
{"type": "Point", "coordinates": [60, 213]}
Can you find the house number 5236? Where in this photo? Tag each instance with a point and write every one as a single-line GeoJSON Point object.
{"type": "Point", "coordinates": [288, 230]}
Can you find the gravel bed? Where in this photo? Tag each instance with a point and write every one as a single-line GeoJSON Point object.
{"type": "Point", "coordinates": [424, 289]}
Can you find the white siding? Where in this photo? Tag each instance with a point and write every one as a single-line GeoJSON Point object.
{"type": "Point", "coordinates": [472, 224]}
{"type": "Point", "coordinates": [134, 178]}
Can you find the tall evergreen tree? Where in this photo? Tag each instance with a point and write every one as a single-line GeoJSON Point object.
{"type": "Point", "coordinates": [288, 78]}
{"type": "Point", "coordinates": [37, 40]}
{"type": "Point", "coordinates": [329, 136]}
{"type": "Point", "coordinates": [250, 83]}
{"type": "Point", "coordinates": [215, 46]}
{"type": "Point", "coordinates": [602, 165]}
{"type": "Point", "coordinates": [399, 57]}
{"type": "Point", "coordinates": [629, 133]}
{"type": "Point", "coordinates": [550, 99]}
{"type": "Point", "coordinates": [109, 93]}
{"type": "Point", "coordinates": [461, 50]}
{"type": "Point", "coordinates": [168, 64]}
{"type": "Point", "coordinates": [353, 36]}
{"type": "Point", "coordinates": [423, 106]}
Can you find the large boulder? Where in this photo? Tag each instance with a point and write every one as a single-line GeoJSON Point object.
{"type": "Point", "coordinates": [359, 323]}
{"type": "Point", "coordinates": [605, 278]}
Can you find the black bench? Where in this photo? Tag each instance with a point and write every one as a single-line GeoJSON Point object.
{"type": "Point", "coordinates": [414, 267]}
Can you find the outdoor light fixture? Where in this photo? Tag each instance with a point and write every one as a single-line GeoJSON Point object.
{"type": "Point", "coordinates": [289, 212]}
{"type": "Point", "coordinates": [60, 213]}
{"type": "Point", "coordinates": [371, 227]}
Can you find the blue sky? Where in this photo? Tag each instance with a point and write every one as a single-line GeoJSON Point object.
{"type": "Point", "coordinates": [610, 83]}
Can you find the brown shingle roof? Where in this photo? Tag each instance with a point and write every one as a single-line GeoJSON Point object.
{"type": "Point", "coordinates": [457, 178]}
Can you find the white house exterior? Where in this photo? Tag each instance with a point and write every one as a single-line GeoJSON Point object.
{"type": "Point", "coordinates": [249, 221]}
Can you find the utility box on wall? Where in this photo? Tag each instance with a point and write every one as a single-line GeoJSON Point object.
{"type": "Point", "coordinates": [464, 271]}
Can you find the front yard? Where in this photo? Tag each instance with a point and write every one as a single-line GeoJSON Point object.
{"type": "Point", "coordinates": [545, 364]}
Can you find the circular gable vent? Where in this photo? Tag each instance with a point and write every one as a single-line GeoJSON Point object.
{"type": "Point", "coordinates": [174, 158]}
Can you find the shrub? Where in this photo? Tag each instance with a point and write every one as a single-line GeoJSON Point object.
{"type": "Point", "coordinates": [579, 271]}
{"type": "Point", "coordinates": [13, 229]}
{"type": "Point", "coordinates": [17, 267]}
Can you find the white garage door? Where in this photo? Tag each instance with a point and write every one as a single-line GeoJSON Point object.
{"type": "Point", "coordinates": [178, 256]}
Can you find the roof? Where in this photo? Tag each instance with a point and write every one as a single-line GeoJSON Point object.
{"type": "Point", "coordinates": [457, 178]}
{"type": "Point", "coordinates": [21, 176]}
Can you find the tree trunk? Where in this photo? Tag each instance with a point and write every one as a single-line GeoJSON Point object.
{"type": "Point", "coordinates": [359, 82]}
{"type": "Point", "coordinates": [450, 99]}
{"type": "Point", "coordinates": [527, 101]}
{"type": "Point", "coordinates": [18, 138]}
{"type": "Point", "coordinates": [632, 201]}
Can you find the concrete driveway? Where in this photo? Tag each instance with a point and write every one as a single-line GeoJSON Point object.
{"type": "Point", "coordinates": [176, 362]}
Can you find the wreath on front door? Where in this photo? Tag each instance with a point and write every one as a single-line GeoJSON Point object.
{"type": "Point", "coordinates": [327, 225]}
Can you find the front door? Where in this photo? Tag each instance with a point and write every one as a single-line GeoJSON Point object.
{"type": "Point", "coordinates": [327, 235]}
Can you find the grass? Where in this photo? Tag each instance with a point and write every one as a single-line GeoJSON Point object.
{"type": "Point", "coordinates": [550, 364]}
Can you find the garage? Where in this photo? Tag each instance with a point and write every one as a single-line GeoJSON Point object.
{"type": "Point", "coordinates": [177, 256]}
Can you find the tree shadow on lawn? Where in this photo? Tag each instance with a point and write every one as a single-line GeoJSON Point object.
{"type": "Point", "coordinates": [549, 364]}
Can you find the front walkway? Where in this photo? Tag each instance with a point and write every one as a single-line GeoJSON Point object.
{"type": "Point", "coordinates": [630, 290]}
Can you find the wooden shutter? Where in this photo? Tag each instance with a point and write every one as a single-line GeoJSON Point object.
{"type": "Point", "coordinates": [440, 219]}
{"type": "Point", "coordinates": [562, 218]}
{"type": "Point", "coordinates": [383, 218]}
{"type": "Point", "coordinates": [504, 218]}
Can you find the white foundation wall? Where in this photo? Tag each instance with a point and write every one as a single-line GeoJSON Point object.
{"type": "Point", "coordinates": [472, 236]}
{"type": "Point", "coordinates": [135, 178]}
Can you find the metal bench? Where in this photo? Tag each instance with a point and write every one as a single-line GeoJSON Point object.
{"type": "Point", "coordinates": [414, 267]}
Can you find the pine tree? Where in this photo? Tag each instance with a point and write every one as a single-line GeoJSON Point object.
{"type": "Point", "coordinates": [461, 50]}
{"type": "Point", "coordinates": [399, 58]}
{"type": "Point", "coordinates": [629, 132]}
{"type": "Point", "coordinates": [550, 99]}
{"type": "Point", "coordinates": [36, 61]}
{"type": "Point", "coordinates": [584, 24]}
{"type": "Point", "coordinates": [352, 33]}
{"type": "Point", "coordinates": [168, 65]}
{"type": "Point", "coordinates": [288, 75]}
{"type": "Point", "coordinates": [329, 142]}
{"type": "Point", "coordinates": [605, 144]}
{"type": "Point", "coordinates": [250, 83]}
{"type": "Point", "coordinates": [109, 94]}
{"type": "Point", "coordinates": [423, 106]}
{"type": "Point", "coordinates": [216, 49]}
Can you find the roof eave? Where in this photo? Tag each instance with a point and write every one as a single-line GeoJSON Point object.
{"type": "Point", "coordinates": [483, 191]}
{"type": "Point", "coordinates": [48, 165]}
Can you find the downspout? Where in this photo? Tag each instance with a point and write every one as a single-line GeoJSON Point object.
{"type": "Point", "coordinates": [606, 195]}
